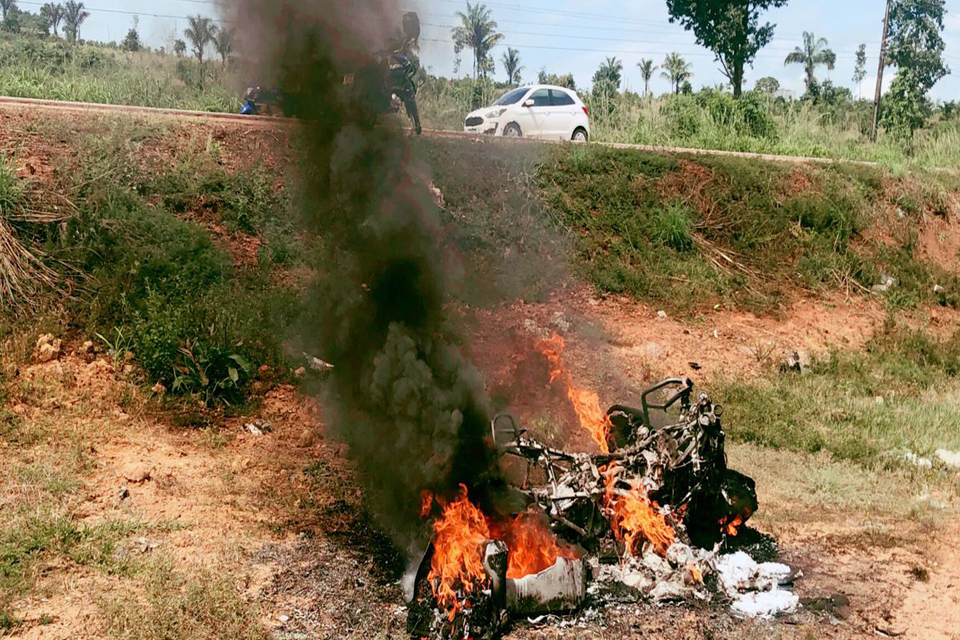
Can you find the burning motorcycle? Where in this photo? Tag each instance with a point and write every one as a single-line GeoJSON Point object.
{"type": "Point", "coordinates": [659, 487]}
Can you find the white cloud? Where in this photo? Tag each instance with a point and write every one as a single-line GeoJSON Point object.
{"type": "Point", "coordinates": [952, 22]}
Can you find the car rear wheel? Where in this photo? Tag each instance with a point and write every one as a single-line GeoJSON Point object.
{"type": "Point", "coordinates": [512, 130]}
{"type": "Point", "coordinates": [579, 135]}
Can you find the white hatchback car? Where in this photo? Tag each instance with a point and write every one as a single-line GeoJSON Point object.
{"type": "Point", "coordinates": [539, 111]}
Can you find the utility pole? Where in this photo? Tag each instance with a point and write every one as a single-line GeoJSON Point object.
{"type": "Point", "coordinates": [883, 60]}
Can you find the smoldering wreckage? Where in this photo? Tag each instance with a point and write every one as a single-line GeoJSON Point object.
{"type": "Point", "coordinates": [653, 516]}
{"type": "Point", "coordinates": [509, 528]}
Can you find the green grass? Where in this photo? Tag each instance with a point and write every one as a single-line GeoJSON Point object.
{"type": "Point", "coordinates": [147, 273]}
{"type": "Point", "coordinates": [689, 233]}
{"type": "Point", "coordinates": [53, 70]}
{"type": "Point", "coordinates": [901, 394]}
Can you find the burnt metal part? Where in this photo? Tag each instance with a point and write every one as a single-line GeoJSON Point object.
{"type": "Point", "coordinates": [561, 588]}
{"type": "Point", "coordinates": [679, 456]}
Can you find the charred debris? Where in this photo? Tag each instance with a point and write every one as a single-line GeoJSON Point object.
{"type": "Point", "coordinates": [653, 516]}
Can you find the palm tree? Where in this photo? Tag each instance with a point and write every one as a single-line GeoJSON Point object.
{"type": "Point", "coordinates": [223, 42]}
{"type": "Point", "coordinates": [73, 17]}
{"type": "Point", "coordinates": [676, 70]}
{"type": "Point", "coordinates": [53, 14]}
{"type": "Point", "coordinates": [511, 64]}
{"type": "Point", "coordinates": [477, 31]}
{"type": "Point", "coordinates": [610, 71]}
{"type": "Point", "coordinates": [200, 33]}
{"type": "Point", "coordinates": [6, 5]}
{"type": "Point", "coordinates": [646, 70]}
{"type": "Point", "coordinates": [813, 54]}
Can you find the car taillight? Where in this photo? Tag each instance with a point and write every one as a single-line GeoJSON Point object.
{"type": "Point", "coordinates": [586, 111]}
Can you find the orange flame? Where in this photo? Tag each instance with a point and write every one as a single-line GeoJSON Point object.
{"type": "Point", "coordinates": [695, 573]}
{"type": "Point", "coordinates": [457, 565]}
{"type": "Point", "coordinates": [533, 547]}
{"type": "Point", "coordinates": [635, 518]}
{"type": "Point", "coordinates": [456, 569]}
{"type": "Point", "coordinates": [586, 403]}
{"type": "Point", "coordinates": [426, 503]}
{"type": "Point", "coordinates": [730, 527]}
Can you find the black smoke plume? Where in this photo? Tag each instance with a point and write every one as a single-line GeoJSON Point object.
{"type": "Point", "coordinates": [413, 411]}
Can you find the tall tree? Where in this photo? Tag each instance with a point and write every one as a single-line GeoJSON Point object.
{"type": "Point", "coordinates": [729, 28]}
{"type": "Point", "coordinates": [610, 71]}
{"type": "Point", "coordinates": [767, 85]}
{"type": "Point", "coordinates": [606, 84]}
{"type": "Point", "coordinates": [53, 14]}
{"type": "Point", "coordinates": [74, 15]}
{"type": "Point", "coordinates": [6, 5]}
{"type": "Point", "coordinates": [812, 54]}
{"type": "Point", "coordinates": [200, 34]}
{"type": "Point", "coordinates": [676, 70]}
{"type": "Point", "coordinates": [566, 80]}
{"type": "Point", "coordinates": [511, 64]}
{"type": "Point", "coordinates": [179, 47]}
{"type": "Point", "coordinates": [915, 46]}
{"type": "Point", "coordinates": [860, 70]}
{"type": "Point", "coordinates": [647, 69]}
{"type": "Point", "coordinates": [132, 41]}
{"type": "Point", "coordinates": [477, 31]}
{"type": "Point", "coordinates": [223, 40]}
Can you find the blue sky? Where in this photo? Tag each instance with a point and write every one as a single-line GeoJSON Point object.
{"type": "Point", "coordinates": [575, 36]}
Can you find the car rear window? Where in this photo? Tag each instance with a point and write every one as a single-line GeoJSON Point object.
{"type": "Point", "coordinates": [511, 97]}
{"type": "Point", "coordinates": [541, 98]}
{"type": "Point", "coordinates": [560, 98]}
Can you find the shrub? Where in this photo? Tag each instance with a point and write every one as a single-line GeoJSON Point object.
{"type": "Point", "coordinates": [673, 226]}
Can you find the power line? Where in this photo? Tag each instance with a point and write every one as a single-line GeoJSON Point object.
{"type": "Point", "coordinates": [576, 37]}
{"type": "Point", "coordinates": [135, 13]}
{"type": "Point", "coordinates": [515, 45]}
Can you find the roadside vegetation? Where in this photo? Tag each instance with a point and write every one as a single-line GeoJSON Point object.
{"type": "Point", "coordinates": [57, 70]}
{"type": "Point", "coordinates": [691, 233]}
{"type": "Point", "coordinates": [175, 267]}
{"type": "Point", "coordinates": [874, 407]}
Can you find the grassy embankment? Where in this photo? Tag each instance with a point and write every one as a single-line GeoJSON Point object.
{"type": "Point", "coordinates": [187, 269]}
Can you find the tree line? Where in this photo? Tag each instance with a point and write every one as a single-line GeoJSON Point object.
{"type": "Point", "coordinates": [70, 14]}
{"type": "Point", "coordinates": [200, 35]}
{"type": "Point", "coordinates": [734, 32]}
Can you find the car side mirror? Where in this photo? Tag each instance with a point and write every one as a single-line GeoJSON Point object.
{"type": "Point", "coordinates": [528, 102]}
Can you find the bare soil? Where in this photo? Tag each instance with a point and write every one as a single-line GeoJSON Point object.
{"type": "Point", "coordinates": [281, 513]}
